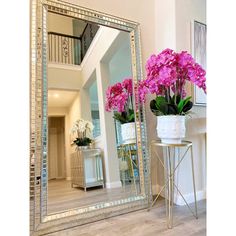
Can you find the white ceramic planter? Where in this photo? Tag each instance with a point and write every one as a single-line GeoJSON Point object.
{"type": "Point", "coordinates": [128, 133]}
{"type": "Point", "coordinates": [171, 129]}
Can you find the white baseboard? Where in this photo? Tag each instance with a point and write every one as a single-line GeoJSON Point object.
{"type": "Point", "coordinates": [116, 184]}
{"type": "Point", "coordinates": [190, 197]}
{"type": "Point", "coordinates": [178, 200]}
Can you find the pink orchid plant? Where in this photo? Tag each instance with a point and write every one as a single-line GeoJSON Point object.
{"type": "Point", "coordinates": [119, 99]}
{"type": "Point", "coordinates": [167, 74]}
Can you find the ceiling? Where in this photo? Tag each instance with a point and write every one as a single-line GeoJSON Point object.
{"type": "Point", "coordinates": [61, 98]}
{"type": "Point", "coordinates": [65, 25]}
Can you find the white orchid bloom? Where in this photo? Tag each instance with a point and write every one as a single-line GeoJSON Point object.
{"type": "Point", "coordinates": [90, 126]}
{"type": "Point", "coordinates": [74, 128]}
{"type": "Point", "coordinates": [81, 127]}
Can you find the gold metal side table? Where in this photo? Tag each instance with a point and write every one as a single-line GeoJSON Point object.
{"type": "Point", "coordinates": [170, 165]}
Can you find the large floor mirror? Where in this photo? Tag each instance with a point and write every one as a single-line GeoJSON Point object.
{"type": "Point", "coordinates": [88, 157]}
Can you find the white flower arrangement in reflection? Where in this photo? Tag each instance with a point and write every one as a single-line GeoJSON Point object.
{"type": "Point", "coordinates": [82, 131]}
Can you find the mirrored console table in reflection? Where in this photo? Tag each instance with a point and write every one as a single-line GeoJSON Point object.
{"type": "Point", "coordinates": [86, 168]}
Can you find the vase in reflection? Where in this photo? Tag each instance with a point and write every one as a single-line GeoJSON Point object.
{"type": "Point", "coordinates": [128, 133]}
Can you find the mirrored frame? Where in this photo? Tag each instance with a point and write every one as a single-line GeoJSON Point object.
{"type": "Point", "coordinates": [40, 221]}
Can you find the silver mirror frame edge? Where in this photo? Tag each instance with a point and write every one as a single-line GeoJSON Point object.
{"type": "Point", "coordinates": [40, 222]}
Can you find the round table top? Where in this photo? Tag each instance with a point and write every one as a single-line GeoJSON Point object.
{"type": "Point", "coordinates": [184, 143]}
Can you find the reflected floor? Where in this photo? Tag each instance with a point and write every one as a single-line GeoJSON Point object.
{"type": "Point", "coordinates": [61, 196]}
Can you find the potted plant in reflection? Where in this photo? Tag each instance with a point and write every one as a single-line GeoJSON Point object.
{"type": "Point", "coordinates": [82, 130]}
{"type": "Point", "coordinates": [119, 99]}
{"type": "Point", "coordinates": [167, 75]}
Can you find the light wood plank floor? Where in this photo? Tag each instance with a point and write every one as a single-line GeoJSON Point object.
{"type": "Point", "coordinates": [143, 223]}
{"type": "Point", "coordinates": [61, 196]}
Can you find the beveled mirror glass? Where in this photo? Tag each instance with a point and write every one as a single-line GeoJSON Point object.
{"type": "Point", "coordinates": [88, 160]}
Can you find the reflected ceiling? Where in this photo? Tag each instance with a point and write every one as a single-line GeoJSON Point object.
{"type": "Point", "coordinates": [61, 98]}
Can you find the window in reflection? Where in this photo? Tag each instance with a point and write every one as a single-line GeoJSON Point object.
{"type": "Point", "coordinates": [93, 94]}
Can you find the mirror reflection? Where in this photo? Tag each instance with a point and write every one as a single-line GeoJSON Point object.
{"type": "Point", "coordinates": [92, 151]}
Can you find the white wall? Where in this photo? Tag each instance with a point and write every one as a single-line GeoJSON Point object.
{"type": "Point", "coordinates": [71, 114]}
{"type": "Point", "coordinates": [141, 11]}
{"type": "Point", "coordinates": [57, 111]}
{"type": "Point", "coordinates": [74, 110]}
{"type": "Point", "coordinates": [64, 77]}
{"type": "Point", "coordinates": [173, 24]}
{"type": "Point", "coordinates": [187, 11]}
{"type": "Point", "coordinates": [63, 111]}
{"type": "Point", "coordinates": [164, 24]}
{"type": "Point", "coordinates": [60, 24]}
{"type": "Point", "coordinates": [105, 44]}
{"type": "Point", "coordinates": [74, 114]}
{"type": "Point", "coordinates": [102, 42]}
{"type": "Point", "coordinates": [68, 77]}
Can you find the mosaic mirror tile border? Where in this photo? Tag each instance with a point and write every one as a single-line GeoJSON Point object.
{"type": "Point", "coordinates": [40, 221]}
